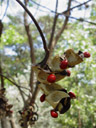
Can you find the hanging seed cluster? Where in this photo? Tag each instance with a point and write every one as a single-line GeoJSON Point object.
{"type": "Point", "coordinates": [5, 108]}
{"type": "Point", "coordinates": [29, 115]}
{"type": "Point", "coordinates": [54, 94]}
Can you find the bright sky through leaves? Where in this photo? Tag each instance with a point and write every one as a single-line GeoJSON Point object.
{"type": "Point", "coordinates": [14, 8]}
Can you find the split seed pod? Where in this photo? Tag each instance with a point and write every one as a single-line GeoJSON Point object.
{"type": "Point", "coordinates": [73, 58]}
{"type": "Point", "coordinates": [56, 96]}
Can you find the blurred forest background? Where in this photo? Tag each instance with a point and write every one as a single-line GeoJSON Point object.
{"type": "Point", "coordinates": [21, 46]}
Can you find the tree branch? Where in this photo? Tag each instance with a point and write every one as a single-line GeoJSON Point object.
{"type": "Point", "coordinates": [64, 12]}
{"type": "Point", "coordinates": [90, 22]}
{"type": "Point", "coordinates": [42, 6]}
{"type": "Point", "coordinates": [13, 82]}
{"type": "Point", "coordinates": [65, 23]}
{"type": "Point", "coordinates": [54, 26]}
{"type": "Point", "coordinates": [70, 9]}
{"type": "Point", "coordinates": [36, 24]}
{"type": "Point", "coordinates": [12, 123]}
{"type": "Point", "coordinates": [5, 10]}
{"type": "Point", "coordinates": [82, 20]}
{"type": "Point", "coordinates": [2, 80]}
{"type": "Point", "coordinates": [1, 28]}
{"type": "Point", "coordinates": [19, 87]}
{"type": "Point", "coordinates": [30, 41]}
{"type": "Point", "coordinates": [55, 40]}
{"type": "Point", "coordinates": [35, 93]}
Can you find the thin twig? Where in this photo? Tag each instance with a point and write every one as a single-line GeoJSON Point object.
{"type": "Point", "coordinates": [66, 14]}
{"type": "Point", "coordinates": [82, 20]}
{"type": "Point", "coordinates": [56, 38]}
{"type": "Point", "coordinates": [42, 6]}
{"type": "Point", "coordinates": [37, 25]}
{"type": "Point", "coordinates": [24, 93]}
{"type": "Point", "coordinates": [70, 9]}
{"type": "Point", "coordinates": [54, 25]}
{"type": "Point", "coordinates": [1, 29]}
{"type": "Point", "coordinates": [5, 10]}
{"type": "Point", "coordinates": [13, 82]}
{"type": "Point", "coordinates": [65, 23]}
{"type": "Point", "coordinates": [37, 9]}
{"type": "Point", "coordinates": [1, 78]}
{"type": "Point", "coordinates": [30, 42]}
{"type": "Point", "coordinates": [35, 93]}
{"type": "Point", "coordinates": [75, 1]}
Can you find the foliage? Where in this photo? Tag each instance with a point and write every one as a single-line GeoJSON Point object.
{"type": "Point", "coordinates": [11, 37]}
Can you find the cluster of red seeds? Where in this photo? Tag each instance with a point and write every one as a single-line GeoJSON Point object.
{"type": "Point", "coordinates": [63, 65]}
{"type": "Point", "coordinates": [52, 78]}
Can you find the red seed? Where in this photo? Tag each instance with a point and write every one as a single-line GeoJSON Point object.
{"type": "Point", "coordinates": [86, 54]}
{"type": "Point", "coordinates": [23, 113]}
{"type": "Point", "coordinates": [42, 98]}
{"type": "Point", "coordinates": [11, 111]}
{"type": "Point", "coordinates": [68, 73]}
{"type": "Point", "coordinates": [72, 95]}
{"type": "Point", "coordinates": [54, 114]}
{"type": "Point", "coordinates": [64, 64]}
{"type": "Point", "coordinates": [51, 78]}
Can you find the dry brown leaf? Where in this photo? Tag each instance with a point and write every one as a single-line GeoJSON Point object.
{"type": "Point", "coordinates": [72, 57]}
{"type": "Point", "coordinates": [42, 77]}
{"type": "Point", "coordinates": [47, 89]}
{"type": "Point", "coordinates": [55, 64]}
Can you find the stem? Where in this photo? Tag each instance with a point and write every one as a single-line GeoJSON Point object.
{"type": "Point", "coordinates": [30, 41]}
{"type": "Point", "coordinates": [54, 25]}
{"type": "Point", "coordinates": [70, 9]}
{"type": "Point", "coordinates": [36, 24]}
{"type": "Point", "coordinates": [13, 82]}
